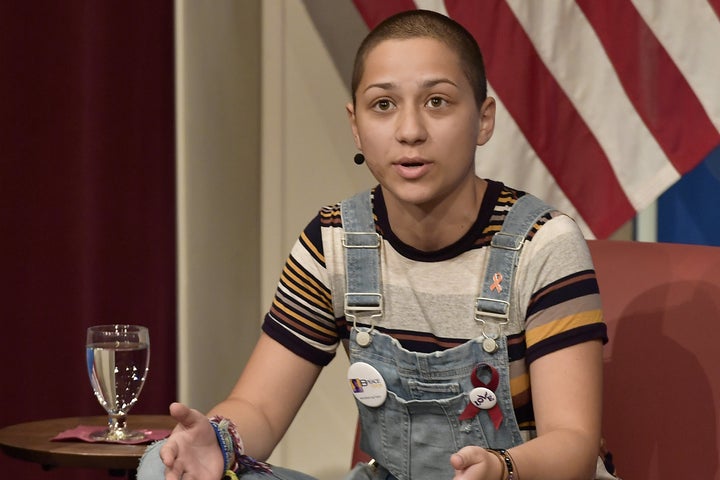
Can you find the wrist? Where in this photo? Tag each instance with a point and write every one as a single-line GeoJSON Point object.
{"type": "Point", "coordinates": [229, 441]}
{"type": "Point", "coordinates": [233, 451]}
{"type": "Point", "coordinates": [508, 468]}
{"type": "Point", "coordinates": [500, 462]}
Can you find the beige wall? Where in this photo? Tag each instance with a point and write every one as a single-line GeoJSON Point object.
{"type": "Point", "coordinates": [236, 161]}
{"type": "Point", "coordinates": [218, 178]}
{"type": "Point", "coordinates": [307, 163]}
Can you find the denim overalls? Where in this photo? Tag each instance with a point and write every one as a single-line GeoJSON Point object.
{"type": "Point", "coordinates": [415, 430]}
{"type": "Point", "coordinates": [412, 434]}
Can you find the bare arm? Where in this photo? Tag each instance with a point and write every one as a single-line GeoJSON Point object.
{"type": "Point", "coordinates": [266, 398]}
{"type": "Point", "coordinates": [268, 395]}
{"type": "Point", "coordinates": [567, 397]}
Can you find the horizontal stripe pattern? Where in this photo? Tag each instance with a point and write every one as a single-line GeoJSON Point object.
{"type": "Point", "coordinates": [554, 304]}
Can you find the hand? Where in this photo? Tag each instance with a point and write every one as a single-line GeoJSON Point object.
{"type": "Point", "coordinates": [192, 451]}
{"type": "Point", "coordinates": [476, 463]}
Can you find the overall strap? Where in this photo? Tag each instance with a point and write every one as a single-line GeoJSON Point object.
{"type": "Point", "coordinates": [362, 256]}
{"type": "Point", "coordinates": [505, 247]}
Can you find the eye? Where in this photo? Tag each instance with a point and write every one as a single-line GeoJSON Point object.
{"type": "Point", "coordinates": [383, 105]}
{"type": "Point", "coordinates": [436, 102]}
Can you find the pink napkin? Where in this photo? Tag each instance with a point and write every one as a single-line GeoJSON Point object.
{"type": "Point", "coordinates": [82, 432]}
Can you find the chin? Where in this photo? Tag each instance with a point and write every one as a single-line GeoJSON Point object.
{"type": "Point", "coordinates": [414, 195]}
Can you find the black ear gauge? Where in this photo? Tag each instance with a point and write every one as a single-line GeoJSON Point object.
{"type": "Point", "coordinates": [359, 159]}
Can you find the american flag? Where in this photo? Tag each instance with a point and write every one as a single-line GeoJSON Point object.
{"type": "Point", "coordinates": [602, 104]}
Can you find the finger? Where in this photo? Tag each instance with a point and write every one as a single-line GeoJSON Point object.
{"type": "Point", "coordinates": [467, 457]}
{"type": "Point", "coordinates": [168, 453]}
{"type": "Point", "coordinates": [457, 461]}
{"type": "Point", "coordinates": [184, 415]}
{"type": "Point", "coordinates": [471, 455]}
{"type": "Point", "coordinates": [169, 475]}
{"type": "Point", "coordinates": [176, 473]}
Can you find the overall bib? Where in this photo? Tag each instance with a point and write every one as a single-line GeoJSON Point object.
{"type": "Point", "coordinates": [412, 432]}
{"type": "Point", "coordinates": [424, 415]}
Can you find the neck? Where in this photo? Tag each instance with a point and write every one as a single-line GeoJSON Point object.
{"type": "Point", "coordinates": [430, 227]}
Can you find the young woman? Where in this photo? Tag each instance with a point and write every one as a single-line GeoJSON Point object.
{"type": "Point", "coordinates": [470, 310]}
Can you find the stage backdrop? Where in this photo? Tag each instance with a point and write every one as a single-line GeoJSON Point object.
{"type": "Point", "coordinates": [87, 202]}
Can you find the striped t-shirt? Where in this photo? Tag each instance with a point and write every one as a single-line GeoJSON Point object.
{"type": "Point", "coordinates": [429, 297]}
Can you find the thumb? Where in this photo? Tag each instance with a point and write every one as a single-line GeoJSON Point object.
{"type": "Point", "coordinates": [184, 415]}
{"type": "Point", "coordinates": [457, 461]}
{"type": "Point", "coordinates": [466, 457]}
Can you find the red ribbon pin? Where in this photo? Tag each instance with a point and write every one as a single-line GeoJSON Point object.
{"type": "Point", "coordinates": [483, 397]}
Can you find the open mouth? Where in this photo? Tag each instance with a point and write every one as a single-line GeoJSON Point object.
{"type": "Point", "coordinates": [411, 163]}
{"type": "Point", "coordinates": [412, 169]}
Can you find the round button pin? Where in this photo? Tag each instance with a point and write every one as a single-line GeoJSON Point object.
{"type": "Point", "coordinates": [367, 385]}
{"type": "Point", "coordinates": [483, 398]}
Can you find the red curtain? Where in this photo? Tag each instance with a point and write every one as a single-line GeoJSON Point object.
{"type": "Point", "coordinates": [87, 202]}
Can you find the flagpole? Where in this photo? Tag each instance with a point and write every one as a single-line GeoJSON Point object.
{"type": "Point", "coordinates": [646, 224]}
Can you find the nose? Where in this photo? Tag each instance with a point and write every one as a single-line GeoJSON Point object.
{"type": "Point", "coordinates": [410, 128]}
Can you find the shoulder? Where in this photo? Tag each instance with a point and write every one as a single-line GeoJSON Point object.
{"type": "Point", "coordinates": [555, 250]}
{"type": "Point", "coordinates": [327, 218]}
{"type": "Point", "coordinates": [558, 234]}
{"type": "Point", "coordinates": [524, 207]}
{"type": "Point", "coordinates": [323, 234]}
{"type": "Point", "coordinates": [330, 216]}
{"type": "Point", "coordinates": [552, 222]}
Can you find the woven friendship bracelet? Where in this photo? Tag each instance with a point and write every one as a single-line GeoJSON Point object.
{"type": "Point", "coordinates": [234, 460]}
{"type": "Point", "coordinates": [505, 456]}
{"type": "Point", "coordinates": [230, 475]}
{"type": "Point", "coordinates": [230, 446]}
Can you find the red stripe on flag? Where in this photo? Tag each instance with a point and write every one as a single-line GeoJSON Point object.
{"type": "Point", "coordinates": [545, 115]}
{"type": "Point", "coordinates": [715, 4]}
{"type": "Point", "coordinates": [660, 93]}
{"type": "Point", "coordinates": [374, 11]}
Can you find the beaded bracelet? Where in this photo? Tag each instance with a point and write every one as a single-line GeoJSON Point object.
{"type": "Point", "coordinates": [505, 456]}
{"type": "Point", "coordinates": [502, 462]}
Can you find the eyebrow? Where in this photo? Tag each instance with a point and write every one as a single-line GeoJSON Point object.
{"type": "Point", "coordinates": [425, 84]}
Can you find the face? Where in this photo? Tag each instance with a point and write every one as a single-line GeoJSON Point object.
{"type": "Point", "coordinates": [417, 122]}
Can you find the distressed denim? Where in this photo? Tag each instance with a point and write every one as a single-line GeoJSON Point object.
{"type": "Point", "coordinates": [152, 468]}
{"type": "Point", "coordinates": [416, 430]}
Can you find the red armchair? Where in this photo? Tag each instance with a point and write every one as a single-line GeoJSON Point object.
{"type": "Point", "coordinates": [662, 363]}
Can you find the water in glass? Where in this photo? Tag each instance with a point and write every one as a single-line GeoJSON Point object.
{"type": "Point", "coordinates": [117, 363]}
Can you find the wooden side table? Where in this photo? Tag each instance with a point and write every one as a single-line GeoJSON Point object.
{"type": "Point", "coordinates": [31, 441]}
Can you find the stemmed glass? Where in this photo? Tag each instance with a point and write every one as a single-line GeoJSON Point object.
{"type": "Point", "coordinates": [117, 363]}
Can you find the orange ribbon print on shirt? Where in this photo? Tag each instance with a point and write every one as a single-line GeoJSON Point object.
{"type": "Point", "coordinates": [497, 278]}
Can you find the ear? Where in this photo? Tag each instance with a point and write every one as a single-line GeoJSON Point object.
{"type": "Point", "coordinates": [350, 108]}
{"type": "Point", "coordinates": [487, 121]}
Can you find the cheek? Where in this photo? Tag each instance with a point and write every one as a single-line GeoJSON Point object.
{"type": "Point", "coordinates": [374, 139]}
{"type": "Point", "coordinates": [376, 170]}
{"type": "Point", "coordinates": [459, 135]}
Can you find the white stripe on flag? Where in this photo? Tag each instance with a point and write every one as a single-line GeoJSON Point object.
{"type": "Point", "coordinates": [690, 32]}
{"type": "Point", "coordinates": [434, 5]}
{"type": "Point", "coordinates": [567, 44]}
{"type": "Point", "coordinates": [509, 147]}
